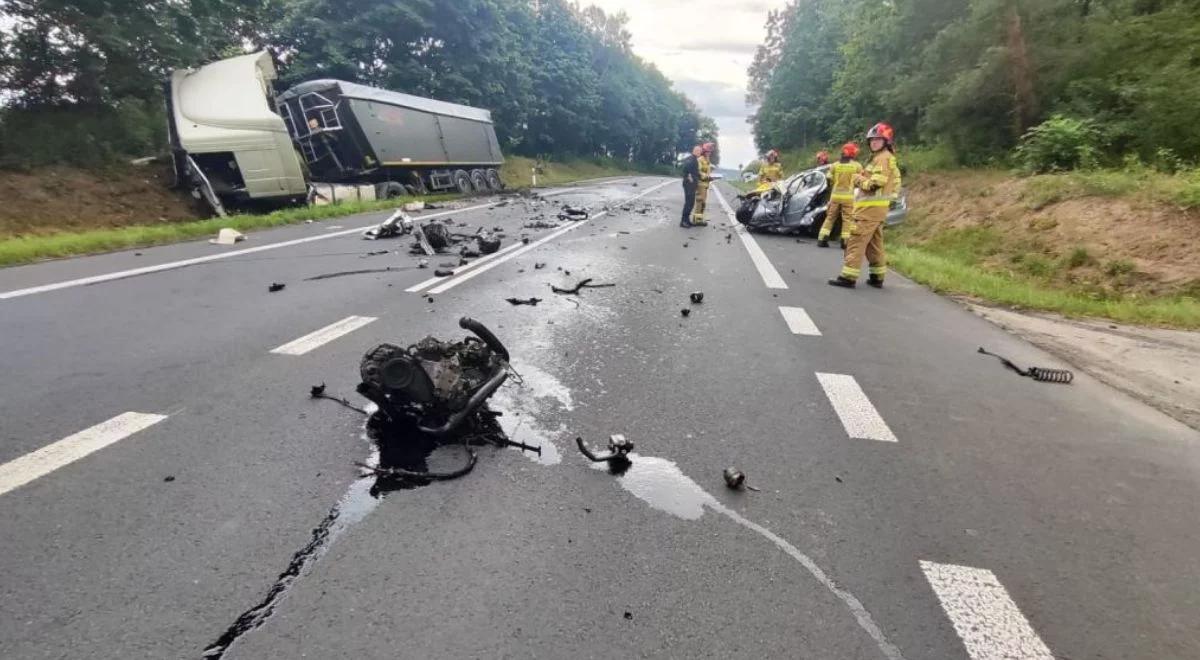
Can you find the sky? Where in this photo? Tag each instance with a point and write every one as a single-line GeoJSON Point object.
{"type": "Point", "coordinates": [705, 47]}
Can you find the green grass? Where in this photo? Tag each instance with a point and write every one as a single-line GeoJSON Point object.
{"type": "Point", "coordinates": [1181, 189]}
{"type": "Point", "coordinates": [951, 274]}
{"type": "Point", "coordinates": [25, 249]}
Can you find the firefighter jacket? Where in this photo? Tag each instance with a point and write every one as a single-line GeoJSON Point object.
{"type": "Point", "coordinates": [881, 182]}
{"type": "Point", "coordinates": [770, 172]}
{"type": "Point", "coordinates": [841, 180]}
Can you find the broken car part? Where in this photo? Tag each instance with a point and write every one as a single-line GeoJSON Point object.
{"type": "Point", "coordinates": [583, 284]}
{"type": "Point", "coordinates": [524, 301]}
{"type": "Point", "coordinates": [697, 297]}
{"type": "Point", "coordinates": [1042, 374]}
{"type": "Point", "coordinates": [736, 479]}
{"type": "Point", "coordinates": [618, 447]}
{"type": "Point", "coordinates": [396, 224]}
{"type": "Point", "coordinates": [276, 286]}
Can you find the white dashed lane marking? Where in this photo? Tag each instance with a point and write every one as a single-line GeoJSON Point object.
{"type": "Point", "coordinates": [765, 268]}
{"type": "Point", "coordinates": [854, 408]}
{"type": "Point", "coordinates": [35, 464]}
{"type": "Point", "coordinates": [323, 336]}
{"type": "Point", "coordinates": [984, 615]}
{"type": "Point", "coordinates": [799, 322]}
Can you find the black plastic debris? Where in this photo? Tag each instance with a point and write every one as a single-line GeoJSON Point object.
{"type": "Point", "coordinates": [539, 265]}
{"type": "Point", "coordinates": [735, 479]}
{"type": "Point", "coordinates": [532, 302]}
{"type": "Point", "coordinates": [685, 245]}
{"type": "Point", "coordinates": [276, 286]}
{"type": "Point", "coordinates": [618, 448]}
{"type": "Point", "coordinates": [374, 253]}
{"type": "Point", "coordinates": [1041, 374]}
{"type": "Point", "coordinates": [317, 390]}
{"type": "Point", "coordinates": [629, 615]}
{"type": "Point", "coordinates": [468, 253]}
{"type": "Point", "coordinates": [685, 312]}
{"type": "Point", "coordinates": [583, 284]}
{"type": "Point", "coordinates": [488, 244]}
{"type": "Point", "coordinates": [429, 299]}
{"type": "Point", "coordinates": [443, 273]}
{"type": "Point", "coordinates": [697, 297]}
{"type": "Point", "coordinates": [573, 213]}
{"type": "Point", "coordinates": [424, 263]}
{"type": "Point", "coordinates": [525, 240]}
{"type": "Point", "coordinates": [169, 478]}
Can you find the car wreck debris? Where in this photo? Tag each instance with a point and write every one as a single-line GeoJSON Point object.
{"type": "Point", "coordinates": [735, 479]}
{"type": "Point", "coordinates": [697, 297]}
{"type": "Point", "coordinates": [276, 286]}
{"type": "Point", "coordinates": [573, 213]}
{"type": "Point", "coordinates": [618, 448]}
{"type": "Point", "coordinates": [685, 312]}
{"type": "Point", "coordinates": [443, 273]}
{"type": "Point", "coordinates": [1042, 374]}
{"type": "Point", "coordinates": [532, 302]}
{"type": "Point", "coordinates": [397, 224]}
{"type": "Point", "coordinates": [488, 244]}
{"type": "Point", "coordinates": [583, 284]}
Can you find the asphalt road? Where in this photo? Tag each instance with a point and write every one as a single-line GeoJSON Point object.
{"type": "Point", "coordinates": [162, 465]}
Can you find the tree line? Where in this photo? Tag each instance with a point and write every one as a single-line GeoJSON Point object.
{"type": "Point", "coordinates": [81, 80]}
{"type": "Point", "coordinates": [1100, 80]}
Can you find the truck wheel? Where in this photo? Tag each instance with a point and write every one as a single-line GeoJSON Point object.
{"type": "Point", "coordinates": [389, 190]}
{"type": "Point", "coordinates": [493, 179]}
{"type": "Point", "coordinates": [479, 180]}
{"type": "Point", "coordinates": [462, 181]}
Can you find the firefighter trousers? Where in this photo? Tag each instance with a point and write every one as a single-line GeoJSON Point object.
{"type": "Point", "coordinates": [701, 202]}
{"type": "Point", "coordinates": [838, 210]}
{"type": "Point", "coordinates": [866, 239]}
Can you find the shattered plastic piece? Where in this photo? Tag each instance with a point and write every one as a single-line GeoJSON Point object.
{"type": "Point", "coordinates": [375, 253]}
{"type": "Point", "coordinates": [395, 225]}
{"type": "Point", "coordinates": [169, 478]}
{"type": "Point", "coordinates": [317, 390]}
{"type": "Point", "coordinates": [685, 312]}
{"type": "Point", "coordinates": [414, 206]}
{"type": "Point", "coordinates": [628, 614]}
{"type": "Point", "coordinates": [469, 253]}
{"type": "Point", "coordinates": [583, 284]}
{"type": "Point", "coordinates": [736, 479]}
{"type": "Point", "coordinates": [276, 286]}
{"type": "Point", "coordinates": [488, 244]}
{"type": "Point", "coordinates": [443, 273]}
{"type": "Point", "coordinates": [539, 265]}
{"type": "Point", "coordinates": [697, 297]}
{"type": "Point", "coordinates": [228, 236]}
{"type": "Point", "coordinates": [525, 240]}
{"type": "Point", "coordinates": [429, 299]}
{"type": "Point", "coordinates": [532, 302]}
{"type": "Point", "coordinates": [424, 263]}
{"type": "Point", "coordinates": [618, 447]}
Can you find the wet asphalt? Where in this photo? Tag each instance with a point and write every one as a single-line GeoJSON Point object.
{"type": "Point", "coordinates": [1081, 501]}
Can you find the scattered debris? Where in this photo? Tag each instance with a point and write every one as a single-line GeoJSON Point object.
{"type": "Point", "coordinates": [169, 478]}
{"type": "Point", "coordinates": [137, 254]}
{"type": "Point", "coordinates": [424, 263]}
{"type": "Point", "coordinates": [838, 479]}
{"type": "Point", "coordinates": [573, 213]}
{"type": "Point", "coordinates": [685, 312]}
{"type": "Point", "coordinates": [524, 301]}
{"type": "Point", "coordinates": [628, 614]}
{"type": "Point", "coordinates": [736, 479]}
{"type": "Point", "coordinates": [443, 273]}
{"type": "Point", "coordinates": [1042, 374]}
{"type": "Point", "coordinates": [429, 299]}
{"type": "Point", "coordinates": [227, 236]}
{"type": "Point", "coordinates": [685, 245]}
{"type": "Point", "coordinates": [525, 240]}
{"type": "Point", "coordinates": [541, 224]}
{"type": "Point", "coordinates": [624, 232]}
{"type": "Point", "coordinates": [634, 184]}
{"type": "Point", "coordinates": [583, 284]}
{"type": "Point", "coordinates": [276, 286]}
{"type": "Point", "coordinates": [488, 244]}
{"type": "Point", "coordinates": [539, 265]}
{"type": "Point", "coordinates": [318, 392]}
{"type": "Point", "coordinates": [469, 253]}
{"type": "Point", "coordinates": [414, 206]}
{"type": "Point", "coordinates": [397, 224]}
{"type": "Point", "coordinates": [499, 204]}
{"type": "Point", "coordinates": [374, 253]}
{"type": "Point", "coordinates": [450, 264]}
{"type": "Point", "coordinates": [618, 447]}
{"type": "Point", "coordinates": [697, 297]}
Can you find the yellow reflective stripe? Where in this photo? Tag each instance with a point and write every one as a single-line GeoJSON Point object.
{"type": "Point", "coordinates": [877, 270]}
{"type": "Point", "coordinates": [872, 203]}
{"type": "Point", "coordinates": [839, 197]}
{"type": "Point", "coordinates": [851, 273]}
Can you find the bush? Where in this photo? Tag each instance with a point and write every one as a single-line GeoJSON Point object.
{"type": "Point", "coordinates": [85, 136]}
{"type": "Point", "coordinates": [1059, 143]}
{"type": "Point", "coordinates": [1078, 257]}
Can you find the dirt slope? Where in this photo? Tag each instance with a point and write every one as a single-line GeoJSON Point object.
{"type": "Point", "coordinates": [1132, 246]}
{"type": "Point", "coordinates": [63, 198]}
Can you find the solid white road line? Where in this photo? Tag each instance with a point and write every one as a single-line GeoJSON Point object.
{"type": "Point", "coordinates": [765, 268]}
{"type": "Point", "coordinates": [455, 281]}
{"type": "Point", "coordinates": [323, 336]}
{"type": "Point", "coordinates": [172, 265]}
{"type": "Point", "coordinates": [462, 269]}
{"type": "Point", "coordinates": [984, 616]}
{"type": "Point", "coordinates": [854, 409]}
{"type": "Point", "coordinates": [35, 464]}
{"type": "Point", "coordinates": [799, 322]}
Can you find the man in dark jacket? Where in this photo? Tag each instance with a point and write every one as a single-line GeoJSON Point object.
{"type": "Point", "coordinates": [691, 179]}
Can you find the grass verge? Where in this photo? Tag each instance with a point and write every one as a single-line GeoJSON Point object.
{"type": "Point", "coordinates": [947, 273]}
{"type": "Point", "coordinates": [16, 250]}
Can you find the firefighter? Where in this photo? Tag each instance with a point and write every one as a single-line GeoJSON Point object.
{"type": "Point", "coordinates": [691, 179]}
{"type": "Point", "coordinates": [841, 198]}
{"type": "Point", "coordinates": [822, 158]}
{"type": "Point", "coordinates": [770, 172]}
{"type": "Point", "coordinates": [875, 189]}
{"type": "Point", "coordinates": [705, 166]}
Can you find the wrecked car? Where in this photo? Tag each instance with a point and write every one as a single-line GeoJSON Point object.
{"type": "Point", "coordinates": [797, 205]}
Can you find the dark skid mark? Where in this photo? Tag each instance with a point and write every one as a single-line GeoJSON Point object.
{"type": "Point", "coordinates": [343, 273]}
{"type": "Point", "coordinates": [398, 444]}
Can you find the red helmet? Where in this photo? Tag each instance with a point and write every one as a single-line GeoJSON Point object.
{"type": "Point", "coordinates": [708, 147]}
{"type": "Point", "coordinates": [850, 150]}
{"type": "Point", "coordinates": [772, 154]}
{"type": "Point", "coordinates": [823, 157]}
{"type": "Point", "coordinates": [882, 130]}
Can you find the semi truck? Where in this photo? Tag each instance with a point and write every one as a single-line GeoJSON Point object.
{"type": "Point", "coordinates": [235, 141]}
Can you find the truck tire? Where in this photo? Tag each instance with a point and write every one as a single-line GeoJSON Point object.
{"type": "Point", "coordinates": [479, 181]}
{"type": "Point", "coordinates": [494, 181]}
{"type": "Point", "coordinates": [389, 190]}
{"type": "Point", "coordinates": [462, 181]}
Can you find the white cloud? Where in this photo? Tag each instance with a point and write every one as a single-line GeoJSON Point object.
{"type": "Point", "coordinates": [705, 46]}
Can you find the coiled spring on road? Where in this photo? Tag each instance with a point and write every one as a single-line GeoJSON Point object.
{"type": "Point", "coordinates": [1041, 374]}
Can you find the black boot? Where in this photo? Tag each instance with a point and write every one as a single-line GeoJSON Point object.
{"type": "Point", "coordinates": [822, 243]}
{"type": "Point", "coordinates": [875, 281]}
{"type": "Point", "coordinates": [842, 282]}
